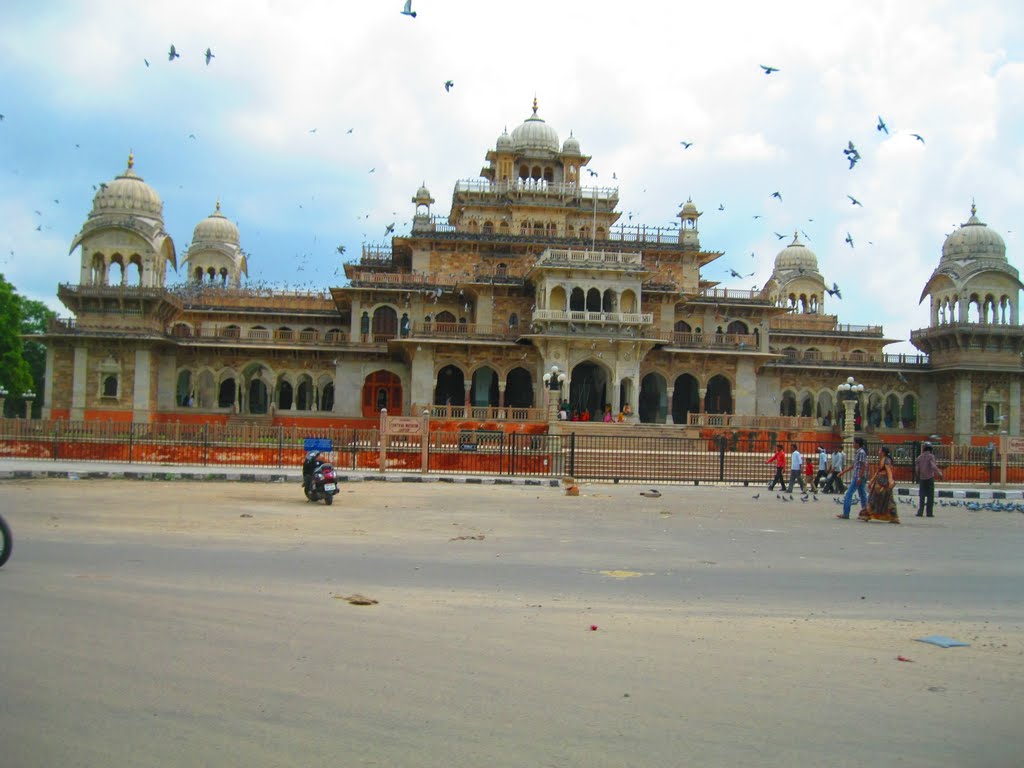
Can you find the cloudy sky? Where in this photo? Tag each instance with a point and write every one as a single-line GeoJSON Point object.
{"type": "Point", "coordinates": [265, 126]}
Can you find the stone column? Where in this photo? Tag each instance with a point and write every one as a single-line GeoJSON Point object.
{"type": "Point", "coordinates": [669, 392]}
{"type": "Point", "coordinates": [47, 387]}
{"type": "Point", "coordinates": [142, 385]}
{"type": "Point", "coordinates": [701, 394]}
{"type": "Point", "coordinates": [79, 385]}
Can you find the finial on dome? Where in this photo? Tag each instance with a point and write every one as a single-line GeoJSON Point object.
{"type": "Point", "coordinates": [131, 159]}
{"type": "Point", "coordinates": [535, 105]}
{"type": "Point", "coordinates": [218, 205]}
{"type": "Point", "coordinates": [974, 208]}
{"type": "Point", "coordinates": [795, 238]}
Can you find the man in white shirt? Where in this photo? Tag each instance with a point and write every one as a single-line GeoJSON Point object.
{"type": "Point", "coordinates": [796, 467]}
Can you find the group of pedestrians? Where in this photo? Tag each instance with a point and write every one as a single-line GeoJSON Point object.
{"type": "Point", "coordinates": [875, 490]}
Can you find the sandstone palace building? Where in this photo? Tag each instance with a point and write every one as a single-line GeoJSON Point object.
{"type": "Point", "coordinates": [530, 269]}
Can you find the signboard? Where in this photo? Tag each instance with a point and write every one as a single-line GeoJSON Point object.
{"type": "Point", "coordinates": [317, 444]}
{"type": "Point", "coordinates": [404, 425]}
{"type": "Point", "coordinates": [1015, 444]}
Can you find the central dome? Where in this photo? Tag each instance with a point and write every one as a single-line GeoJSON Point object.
{"type": "Point", "coordinates": [534, 133]}
{"type": "Point", "coordinates": [974, 239]}
{"type": "Point", "coordinates": [128, 193]}
{"type": "Point", "coordinates": [796, 256]}
{"type": "Point", "coordinates": [216, 228]}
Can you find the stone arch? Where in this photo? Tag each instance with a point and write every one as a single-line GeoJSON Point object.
{"type": "Point", "coordinates": [519, 388]}
{"type": "Point", "coordinates": [737, 327]}
{"type": "Point", "coordinates": [305, 398]}
{"type": "Point", "coordinates": [825, 410]}
{"type": "Point", "coordinates": [382, 389]}
{"type": "Point", "coordinates": [115, 277]}
{"type": "Point", "coordinates": [450, 385]}
{"type": "Point", "coordinates": [133, 270]}
{"type": "Point", "coordinates": [557, 299]}
{"type": "Point", "coordinates": [484, 387]}
{"type": "Point", "coordinates": [577, 300]}
{"type": "Point", "coordinates": [609, 301]}
{"type": "Point", "coordinates": [652, 406]}
{"type": "Point", "coordinates": [685, 398]}
{"type": "Point", "coordinates": [787, 403]}
{"type": "Point", "coordinates": [590, 387]}
{"type": "Point", "coordinates": [806, 404]}
{"type": "Point", "coordinates": [908, 411]}
{"type": "Point", "coordinates": [628, 301]}
{"type": "Point", "coordinates": [593, 300]}
{"type": "Point", "coordinates": [718, 398]}
{"type": "Point", "coordinates": [183, 390]}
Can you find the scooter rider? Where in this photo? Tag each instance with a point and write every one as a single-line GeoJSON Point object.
{"type": "Point", "coordinates": [311, 464]}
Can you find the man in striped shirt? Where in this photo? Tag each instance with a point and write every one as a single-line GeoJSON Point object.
{"type": "Point", "coordinates": [858, 481]}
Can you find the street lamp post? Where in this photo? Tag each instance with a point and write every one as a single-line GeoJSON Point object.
{"type": "Point", "coordinates": [29, 397]}
{"type": "Point", "coordinates": [848, 393]}
{"type": "Point", "coordinates": [553, 381]}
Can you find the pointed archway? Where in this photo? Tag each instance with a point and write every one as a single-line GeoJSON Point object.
{"type": "Point", "coordinates": [589, 389]}
{"type": "Point", "coordinates": [382, 389]}
{"type": "Point", "coordinates": [652, 407]}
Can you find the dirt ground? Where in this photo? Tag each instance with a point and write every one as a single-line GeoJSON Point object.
{"type": "Point", "coordinates": [185, 624]}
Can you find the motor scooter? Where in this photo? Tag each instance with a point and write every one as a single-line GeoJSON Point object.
{"type": "Point", "coordinates": [318, 479]}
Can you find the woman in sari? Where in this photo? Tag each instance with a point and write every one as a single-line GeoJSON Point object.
{"type": "Point", "coordinates": [881, 501]}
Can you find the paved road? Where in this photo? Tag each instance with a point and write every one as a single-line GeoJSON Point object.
{"type": "Point", "coordinates": [152, 624]}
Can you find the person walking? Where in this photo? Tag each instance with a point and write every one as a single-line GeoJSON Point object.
{"type": "Point", "coordinates": [927, 470]}
{"type": "Point", "coordinates": [823, 466]}
{"type": "Point", "coordinates": [858, 479]}
{"type": "Point", "coordinates": [779, 460]}
{"type": "Point", "coordinates": [796, 470]}
{"type": "Point", "coordinates": [834, 484]}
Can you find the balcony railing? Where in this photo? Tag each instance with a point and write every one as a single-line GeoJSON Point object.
{"type": "Point", "coordinates": [421, 330]}
{"type": "Point", "coordinates": [732, 294]}
{"type": "Point", "coordinates": [527, 187]}
{"type": "Point", "coordinates": [576, 316]}
{"type": "Point", "coordinates": [742, 421]}
{"type": "Point", "coordinates": [825, 324]}
{"type": "Point", "coordinates": [816, 357]}
{"type": "Point", "coordinates": [737, 341]}
{"type": "Point", "coordinates": [585, 258]}
{"type": "Point", "coordinates": [482, 412]}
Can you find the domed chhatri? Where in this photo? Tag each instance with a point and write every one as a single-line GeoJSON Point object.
{"type": "Point", "coordinates": [974, 239]}
{"type": "Point", "coordinates": [504, 142]}
{"type": "Point", "coordinates": [128, 193]}
{"type": "Point", "coordinates": [216, 228]}
{"type": "Point", "coordinates": [571, 145]}
{"type": "Point", "coordinates": [796, 256]}
{"type": "Point", "coordinates": [534, 133]}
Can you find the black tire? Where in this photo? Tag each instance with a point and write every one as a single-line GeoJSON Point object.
{"type": "Point", "coordinates": [309, 495]}
{"type": "Point", "coordinates": [328, 498]}
{"type": "Point", "coordinates": [7, 542]}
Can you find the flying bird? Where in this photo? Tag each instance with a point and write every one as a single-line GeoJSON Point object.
{"type": "Point", "coordinates": [591, 172]}
{"type": "Point", "coordinates": [173, 54]}
{"type": "Point", "coordinates": [721, 206]}
{"type": "Point", "coordinates": [448, 84]}
{"type": "Point", "coordinates": [686, 144]}
{"type": "Point", "coordinates": [882, 126]}
{"type": "Point", "coordinates": [781, 237]}
{"type": "Point", "coordinates": [312, 130]}
{"type": "Point", "coordinates": [146, 62]}
{"type": "Point", "coordinates": [777, 195]}
{"type": "Point", "coordinates": [209, 55]}
{"type": "Point", "coordinates": [834, 291]}
{"type": "Point", "coordinates": [918, 136]}
{"type": "Point", "coordinates": [389, 229]}
{"type": "Point", "coordinates": [407, 10]}
{"type": "Point", "coordinates": [851, 154]}
{"type": "Point", "coordinates": [854, 201]}
{"type": "Point", "coordinates": [849, 239]}
{"type": "Point", "coordinates": [769, 70]}
{"type": "Point", "coordinates": [900, 377]}
{"type": "Point", "coordinates": [341, 250]}
{"type": "Point", "coordinates": [373, 169]}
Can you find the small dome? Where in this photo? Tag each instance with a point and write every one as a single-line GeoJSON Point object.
{"type": "Point", "coordinates": [534, 133]}
{"type": "Point", "coordinates": [422, 191]}
{"type": "Point", "coordinates": [571, 145]}
{"type": "Point", "coordinates": [974, 239]}
{"type": "Point", "coordinates": [796, 256]}
{"type": "Point", "coordinates": [216, 228]}
{"type": "Point", "coordinates": [128, 193]}
{"type": "Point", "coordinates": [689, 207]}
{"type": "Point", "coordinates": [504, 142]}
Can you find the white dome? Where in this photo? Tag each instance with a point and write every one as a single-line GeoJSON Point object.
{"type": "Point", "coordinates": [974, 239]}
{"type": "Point", "coordinates": [129, 194]}
{"type": "Point", "coordinates": [216, 228]}
{"type": "Point", "coordinates": [571, 146]}
{"type": "Point", "coordinates": [796, 256]}
{"type": "Point", "coordinates": [504, 142]}
{"type": "Point", "coordinates": [534, 133]}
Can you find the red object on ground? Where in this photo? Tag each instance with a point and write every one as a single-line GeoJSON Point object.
{"type": "Point", "coordinates": [593, 627]}
{"type": "Point", "coordinates": [903, 658]}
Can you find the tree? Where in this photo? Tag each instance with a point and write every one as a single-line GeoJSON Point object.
{"type": "Point", "coordinates": [35, 318]}
{"type": "Point", "coordinates": [15, 374]}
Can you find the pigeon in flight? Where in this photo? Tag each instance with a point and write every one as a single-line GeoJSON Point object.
{"type": "Point", "coordinates": [389, 229]}
{"type": "Point", "coordinates": [721, 206]}
{"type": "Point", "coordinates": [373, 169]}
{"type": "Point", "coordinates": [918, 136]}
{"type": "Point", "coordinates": [882, 126]}
{"type": "Point", "coordinates": [736, 274]}
{"type": "Point", "coordinates": [448, 84]}
{"type": "Point", "coordinates": [851, 154]}
{"type": "Point", "coordinates": [312, 130]}
{"type": "Point", "coordinates": [341, 250]}
{"type": "Point", "coordinates": [777, 195]}
{"type": "Point", "coordinates": [146, 62]}
{"type": "Point", "coordinates": [407, 10]}
{"type": "Point", "coordinates": [849, 239]}
{"type": "Point", "coordinates": [781, 237]}
{"type": "Point", "coordinates": [686, 144]}
{"type": "Point", "coordinates": [349, 130]}
{"type": "Point", "coordinates": [900, 377]}
{"type": "Point", "coordinates": [208, 55]}
{"type": "Point", "coordinates": [769, 70]}
{"type": "Point", "coordinates": [591, 172]}
{"type": "Point", "coordinates": [173, 54]}
{"type": "Point", "coordinates": [854, 201]}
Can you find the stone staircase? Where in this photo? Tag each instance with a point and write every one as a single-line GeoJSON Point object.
{"type": "Point", "coordinates": [600, 429]}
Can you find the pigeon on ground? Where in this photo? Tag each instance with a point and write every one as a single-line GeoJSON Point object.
{"type": "Point", "coordinates": [654, 493]}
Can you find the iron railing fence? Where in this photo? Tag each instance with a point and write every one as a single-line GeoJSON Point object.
{"type": "Point", "coordinates": [735, 457]}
